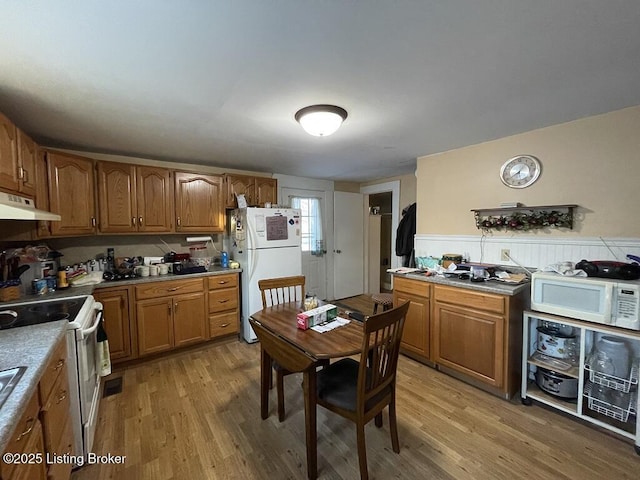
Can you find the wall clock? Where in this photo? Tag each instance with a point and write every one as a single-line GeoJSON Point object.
{"type": "Point", "coordinates": [520, 171]}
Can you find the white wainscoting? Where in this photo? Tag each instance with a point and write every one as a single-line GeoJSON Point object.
{"type": "Point", "coordinates": [529, 251]}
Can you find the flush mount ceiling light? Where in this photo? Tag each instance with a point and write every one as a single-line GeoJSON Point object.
{"type": "Point", "coordinates": [321, 120]}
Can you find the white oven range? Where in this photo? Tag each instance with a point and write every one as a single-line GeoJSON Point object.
{"type": "Point", "coordinates": [84, 315]}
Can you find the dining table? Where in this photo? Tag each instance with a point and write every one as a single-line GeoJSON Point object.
{"type": "Point", "coordinates": [300, 350]}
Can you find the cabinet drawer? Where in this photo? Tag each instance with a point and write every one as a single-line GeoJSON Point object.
{"type": "Point", "coordinates": [56, 365]}
{"type": "Point", "coordinates": [221, 300]}
{"type": "Point", "coordinates": [55, 414]}
{"type": "Point", "coordinates": [223, 324]}
{"type": "Point", "coordinates": [172, 287]}
{"type": "Point", "coordinates": [416, 287]}
{"type": "Point", "coordinates": [27, 427]}
{"type": "Point", "coordinates": [470, 299]}
{"type": "Point", "coordinates": [223, 281]}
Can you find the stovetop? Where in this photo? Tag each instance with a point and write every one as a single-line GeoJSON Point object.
{"type": "Point", "coordinates": [20, 315]}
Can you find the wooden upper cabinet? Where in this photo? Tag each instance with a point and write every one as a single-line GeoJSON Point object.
{"type": "Point", "coordinates": [117, 197]}
{"type": "Point", "coordinates": [266, 190]}
{"type": "Point", "coordinates": [134, 198]}
{"type": "Point", "coordinates": [71, 194]}
{"type": "Point", "coordinates": [155, 199]}
{"type": "Point", "coordinates": [256, 190]}
{"type": "Point", "coordinates": [18, 154]}
{"type": "Point", "coordinates": [27, 157]}
{"type": "Point", "coordinates": [199, 202]}
{"type": "Point", "coordinates": [42, 193]}
{"type": "Point", "coordinates": [239, 185]}
{"type": "Point", "coordinates": [8, 155]}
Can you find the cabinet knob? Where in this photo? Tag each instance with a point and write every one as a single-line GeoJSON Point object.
{"type": "Point", "coordinates": [133, 221]}
{"type": "Point", "coordinates": [140, 220]}
{"type": "Point", "coordinates": [223, 301]}
{"type": "Point", "coordinates": [59, 365]}
{"type": "Point", "coordinates": [178, 221]}
{"type": "Point", "coordinates": [93, 221]}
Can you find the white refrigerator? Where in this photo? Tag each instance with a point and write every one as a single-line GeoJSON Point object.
{"type": "Point", "coordinates": [266, 243]}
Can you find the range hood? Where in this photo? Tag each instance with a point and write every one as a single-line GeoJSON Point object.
{"type": "Point", "coordinates": [15, 207]}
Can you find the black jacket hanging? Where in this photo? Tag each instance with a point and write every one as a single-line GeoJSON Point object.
{"type": "Point", "coordinates": [406, 231]}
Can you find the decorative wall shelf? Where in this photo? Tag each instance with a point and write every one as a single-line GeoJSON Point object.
{"type": "Point", "coordinates": [524, 218]}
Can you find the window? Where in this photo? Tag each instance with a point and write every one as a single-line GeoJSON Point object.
{"type": "Point", "coordinates": [311, 221]}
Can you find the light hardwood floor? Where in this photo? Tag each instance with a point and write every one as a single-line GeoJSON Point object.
{"type": "Point", "coordinates": [196, 415]}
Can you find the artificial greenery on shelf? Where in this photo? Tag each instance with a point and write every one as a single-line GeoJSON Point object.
{"type": "Point", "coordinates": [527, 221]}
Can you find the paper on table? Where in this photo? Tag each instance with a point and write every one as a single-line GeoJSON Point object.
{"type": "Point", "coordinates": [325, 327]}
{"type": "Point", "coordinates": [402, 270]}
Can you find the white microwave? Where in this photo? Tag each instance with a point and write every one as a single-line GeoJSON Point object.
{"type": "Point", "coordinates": [599, 300]}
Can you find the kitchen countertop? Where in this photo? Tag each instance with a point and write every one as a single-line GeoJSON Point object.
{"type": "Point", "coordinates": [31, 346]}
{"type": "Point", "coordinates": [89, 289]}
{"type": "Point", "coordinates": [489, 286]}
{"type": "Point", "coordinates": [28, 347]}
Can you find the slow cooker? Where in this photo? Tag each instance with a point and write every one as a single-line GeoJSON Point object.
{"type": "Point", "coordinates": [557, 384]}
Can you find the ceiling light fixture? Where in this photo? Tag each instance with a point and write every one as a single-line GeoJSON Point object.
{"type": "Point", "coordinates": [321, 120]}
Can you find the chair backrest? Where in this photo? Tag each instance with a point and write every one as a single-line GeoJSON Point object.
{"type": "Point", "coordinates": [281, 290]}
{"type": "Point", "coordinates": [379, 356]}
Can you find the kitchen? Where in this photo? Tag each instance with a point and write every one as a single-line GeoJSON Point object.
{"type": "Point", "coordinates": [576, 156]}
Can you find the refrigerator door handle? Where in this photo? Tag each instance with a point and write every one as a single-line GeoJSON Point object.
{"type": "Point", "coordinates": [252, 242]}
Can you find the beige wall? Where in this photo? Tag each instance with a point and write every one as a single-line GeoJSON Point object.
{"type": "Point", "coordinates": [408, 185]}
{"type": "Point", "coordinates": [592, 162]}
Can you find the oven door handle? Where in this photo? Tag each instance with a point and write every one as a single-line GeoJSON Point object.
{"type": "Point", "coordinates": [85, 333]}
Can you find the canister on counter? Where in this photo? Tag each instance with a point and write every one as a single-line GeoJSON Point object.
{"type": "Point", "coordinates": [52, 283]}
{"type": "Point", "coordinates": [39, 286]}
{"type": "Point", "coordinates": [449, 258]}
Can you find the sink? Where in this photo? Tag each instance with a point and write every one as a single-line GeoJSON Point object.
{"type": "Point", "coordinates": [8, 380]}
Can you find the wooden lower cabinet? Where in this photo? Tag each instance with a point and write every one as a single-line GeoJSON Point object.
{"type": "Point", "coordinates": [472, 334]}
{"type": "Point", "coordinates": [117, 322]}
{"type": "Point", "coordinates": [478, 335]}
{"type": "Point", "coordinates": [224, 313]}
{"type": "Point", "coordinates": [415, 336]}
{"type": "Point", "coordinates": [170, 319]}
{"type": "Point", "coordinates": [54, 412]}
{"type": "Point", "coordinates": [470, 342]}
{"type": "Point", "coordinates": [189, 321]}
{"type": "Point", "coordinates": [26, 439]}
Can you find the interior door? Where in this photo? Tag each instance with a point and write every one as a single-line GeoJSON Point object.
{"type": "Point", "coordinates": [348, 219]}
{"type": "Point", "coordinates": [311, 204]}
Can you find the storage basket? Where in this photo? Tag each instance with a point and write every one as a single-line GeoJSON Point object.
{"type": "Point", "coordinates": [9, 293]}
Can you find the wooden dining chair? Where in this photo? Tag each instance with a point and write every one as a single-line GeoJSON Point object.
{"type": "Point", "coordinates": [275, 291]}
{"type": "Point", "coordinates": [360, 390]}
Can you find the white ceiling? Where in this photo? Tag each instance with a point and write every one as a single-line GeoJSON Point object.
{"type": "Point", "coordinates": [218, 82]}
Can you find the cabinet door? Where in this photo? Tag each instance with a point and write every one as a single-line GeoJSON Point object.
{"type": "Point", "coordinates": [71, 194]}
{"type": "Point", "coordinates": [239, 185]}
{"type": "Point", "coordinates": [470, 342]}
{"type": "Point", "coordinates": [155, 325]}
{"type": "Point", "coordinates": [117, 197]}
{"type": "Point", "coordinates": [266, 191]}
{"type": "Point", "coordinates": [8, 155]}
{"type": "Point", "coordinates": [117, 323]}
{"type": "Point", "coordinates": [189, 319]}
{"type": "Point", "coordinates": [155, 199]}
{"type": "Point", "coordinates": [199, 205]}
{"type": "Point", "coordinates": [27, 156]}
{"type": "Point", "coordinates": [415, 336]}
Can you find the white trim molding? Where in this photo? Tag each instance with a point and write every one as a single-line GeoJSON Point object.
{"type": "Point", "coordinates": [530, 251]}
